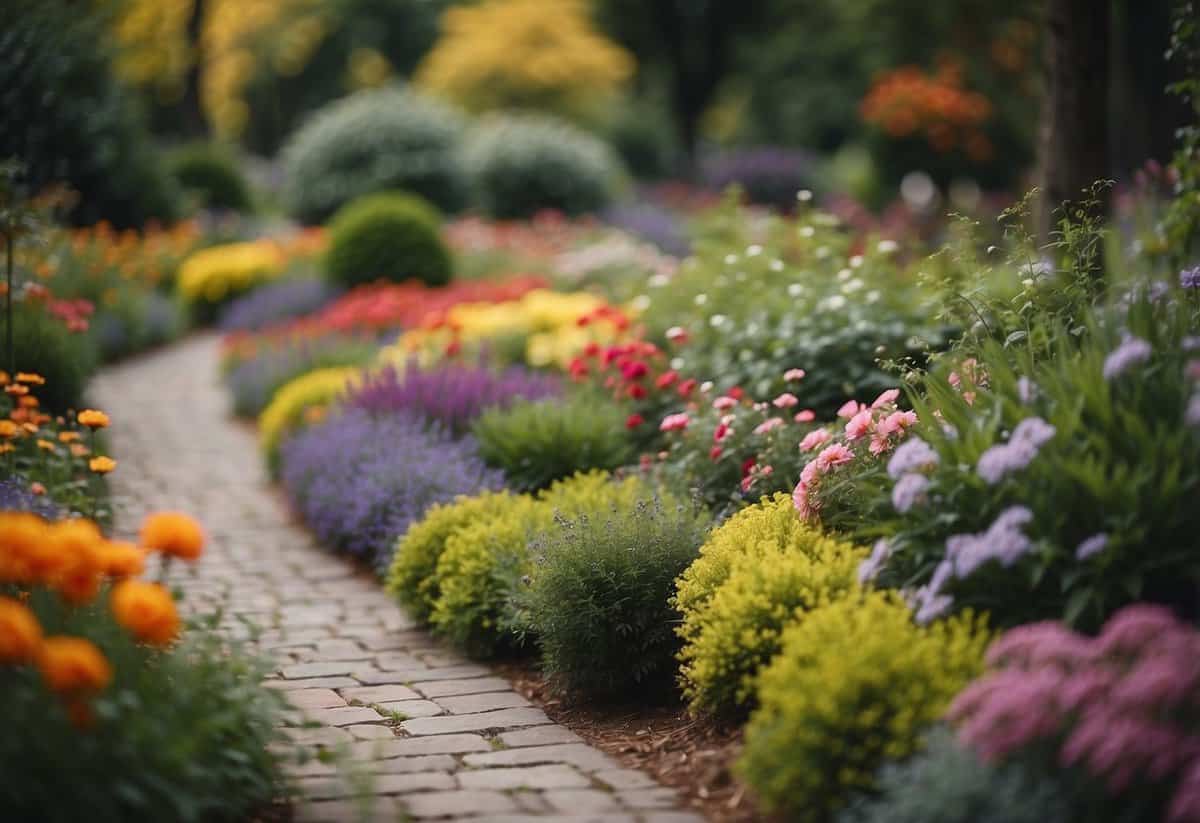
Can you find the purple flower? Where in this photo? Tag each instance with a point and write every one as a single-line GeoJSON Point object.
{"type": "Point", "coordinates": [360, 479]}
{"type": "Point", "coordinates": [656, 224]}
{"type": "Point", "coordinates": [276, 302]}
{"type": "Point", "coordinates": [913, 455]}
{"type": "Point", "coordinates": [1190, 278]}
{"type": "Point", "coordinates": [1003, 541]}
{"type": "Point", "coordinates": [869, 569]}
{"type": "Point", "coordinates": [451, 394]}
{"type": "Point", "coordinates": [1004, 459]}
{"type": "Point", "coordinates": [908, 491]}
{"type": "Point", "coordinates": [254, 381]}
{"type": "Point", "coordinates": [1133, 350]}
{"type": "Point", "coordinates": [770, 175]}
{"type": "Point", "coordinates": [1027, 390]}
{"type": "Point", "coordinates": [1093, 545]}
{"type": "Point", "coordinates": [1190, 343]}
{"type": "Point", "coordinates": [15, 496]}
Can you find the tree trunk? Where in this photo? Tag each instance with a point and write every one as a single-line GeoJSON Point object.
{"type": "Point", "coordinates": [1074, 132]}
{"type": "Point", "coordinates": [191, 105]}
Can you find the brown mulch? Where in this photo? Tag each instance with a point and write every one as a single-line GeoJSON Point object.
{"type": "Point", "coordinates": [689, 754]}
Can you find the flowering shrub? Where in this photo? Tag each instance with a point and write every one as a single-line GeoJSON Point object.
{"type": "Point", "coordinates": [301, 400]}
{"type": "Point", "coordinates": [936, 107]}
{"type": "Point", "coordinates": [276, 302]}
{"type": "Point", "coordinates": [855, 684]}
{"type": "Point", "coordinates": [451, 394]}
{"type": "Point", "coordinates": [1007, 501]}
{"type": "Point", "coordinates": [210, 277]}
{"type": "Point", "coordinates": [536, 443]}
{"type": "Point", "coordinates": [1119, 709]}
{"type": "Point", "coordinates": [351, 477]}
{"type": "Point", "coordinates": [387, 236]}
{"type": "Point", "coordinates": [43, 344]}
{"type": "Point", "coordinates": [99, 676]}
{"type": "Point", "coordinates": [255, 381]}
{"type": "Point", "coordinates": [757, 574]}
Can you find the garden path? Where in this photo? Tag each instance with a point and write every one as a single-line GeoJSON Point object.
{"type": "Point", "coordinates": [439, 736]}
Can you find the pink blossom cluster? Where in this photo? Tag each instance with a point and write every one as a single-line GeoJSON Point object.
{"type": "Point", "coordinates": [1124, 706]}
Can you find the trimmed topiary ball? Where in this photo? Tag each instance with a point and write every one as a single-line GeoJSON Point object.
{"type": "Point", "coordinates": [210, 173]}
{"type": "Point", "coordinates": [520, 165]}
{"type": "Point", "coordinates": [371, 142]}
{"type": "Point", "coordinates": [389, 236]}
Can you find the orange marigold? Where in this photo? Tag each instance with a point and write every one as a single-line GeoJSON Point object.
{"type": "Point", "coordinates": [79, 545]}
{"type": "Point", "coordinates": [102, 464]}
{"type": "Point", "coordinates": [173, 533]}
{"type": "Point", "coordinates": [30, 377]}
{"type": "Point", "coordinates": [120, 559]}
{"type": "Point", "coordinates": [20, 633]}
{"type": "Point", "coordinates": [27, 556]}
{"type": "Point", "coordinates": [8, 429]}
{"type": "Point", "coordinates": [93, 419]}
{"type": "Point", "coordinates": [73, 665]}
{"type": "Point", "coordinates": [145, 610]}
{"type": "Point", "coordinates": [68, 437]}
{"type": "Point", "coordinates": [79, 450]}
{"type": "Point", "coordinates": [16, 389]}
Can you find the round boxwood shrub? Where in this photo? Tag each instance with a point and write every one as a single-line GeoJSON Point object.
{"type": "Point", "coordinates": [389, 236]}
{"type": "Point", "coordinates": [211, 174]}
{"type": "Point", "coordinates": [778, 569]}
{"type": "Point", "coordinates": [370, 142]}
{"type": "Point", "coordinates": [519, 165]}
{"type": "Point", "coordinates": [856, 684]}
{"type": "Point", "coordinates": [43, 344]}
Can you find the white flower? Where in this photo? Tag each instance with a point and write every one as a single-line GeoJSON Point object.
{"type": "Point", "coordinates": [888, 246]}
{"type": "Point", "coordinates": [795, 290]}
{"type": "Point", "coordinates": [657, 281]}
{"type": "Point", "coordinates": [641, 302]}
{"type": "Point", "coordinates": [807, 231]}
{"type": "Point", "coordinates": [776, 265]}
{"type": "Point", "coordinates": [730, 259]}
{"type": "Point", "coordinates": [716, 321]}
{"type": "Point", "coordinates": [856, 261]}
{"type": "Point", "coordinates": [754, 251]}
{"type": "Point", "coordinates": [844, 275]}
{"type": "Point", "coordinates": [700, 299]}
{"type": "Point", "coordinates": [804, 195]}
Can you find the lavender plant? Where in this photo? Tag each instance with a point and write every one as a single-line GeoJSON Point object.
{"type": "Point", "coordinates": [276, 302]}
{"type": "Point", "coordinates": [253, 382]}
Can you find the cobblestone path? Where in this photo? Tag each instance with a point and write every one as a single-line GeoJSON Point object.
{"type": "Point", "coordinates": [439, 736]}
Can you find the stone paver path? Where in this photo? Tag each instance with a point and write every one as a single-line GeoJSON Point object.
{"type": "Point", "coordinates": [439, 736]}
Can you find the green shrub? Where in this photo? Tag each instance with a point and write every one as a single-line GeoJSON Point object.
{"type": "Point", "coordinates": [371, 142]}
{"type": "Point", "coordinates": [949, 784]}
{"type": "Point", "coordinates": [732, 630]}
{"type": "Point", "coordinates": [68, 119]}
{"type": "Point", "coordinates": [43, 344]}
{"type": "Point", "coordinates": [598, 601]}
{"type": "Point", "coordinates": [536, 443]}
{"type": "Point", "coordinates": [855, 684]}
{"type": "Point", "coordinates": [519, 165]}
{"type": "Point", "coordinates": [643, 139]}
{"type": "Point", "coordinates": [210, 172]}
{"type": "Point", "coordinates": [389, 236]}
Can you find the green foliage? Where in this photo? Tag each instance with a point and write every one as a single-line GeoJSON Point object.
{"type": "Point", "coordinates": [68, 120]}
{"type": "Point", "coordinates": [536, 443]}
{"type": "Point", "coordinates": [210, 172]}
{"type": "Point", "coordinates": [598, 602]}
{"type": "Point", "coordinates": [42, 344]}
{"type": "Point", "coordinates": [642, 138]}
{"type": "Point", "coordinates": [948, 784]}
{"type": "Point", "coordinates": [391, 236]}
{"type": "Point", "coordinates": [521, 164]}
{"type": "Point", "coordinates": [757, 574]}
{"type": "Point", "coordinates": [1180, 225]}
{"type": "Point", "coordinates": [187, 733]}
{"type": "Point", "coordinates": [370, 142]}
{"type": "Point", "coordinates": [855, 685]}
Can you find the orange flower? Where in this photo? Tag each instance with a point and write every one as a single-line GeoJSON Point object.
{"type": "Point", "coordinates": [26, 555]}
{"type": "Point", "coordinates": [29, 428]}
{"type": "Point", "coordinates": [145, 610]}
{"type": "Point", "coordinates": [28, 402]}
{"type": "Point", "coordinates": [67, 437]}
{"type": "Point", "coordinates": [8, 429]}
{"type": "Point", "coordinates": [20, 633]}
{"type": "Point", "coordinates": [121, 559]}
{"type": "Point", "coordinates": [80, 713]}
{"type": "Point", "coordinates": [102, 465]}
{"type": "Point", "coordinates": [77, 544]}
{"type": "Point", "coordinates": [30, 377]}
{"type": "Point", "coordinates": [45, 445]}
{"type": "Point", "coordinates": [37, 488]}
{"type": "Point", "coordinates": [16, 389]}
{"type": "Point", "coordinates": [3, 378]}
{"type": "Point", "coordinates": [173, 533]}
{"type": "Point", "coordinates": [73, 666]}
{"type": "Point", "coordinates": [93, 419]}
{"type": "Point", "coordinates": [80, 450]}
{"type": "Point", "coordinates": [5, 448]}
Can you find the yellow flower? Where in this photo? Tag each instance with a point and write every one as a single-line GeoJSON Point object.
{"type": "Point", "coordinates": [8, 429]}
{"type": "Point", "coordinates": [20, 633]}
{"type": "Point", "coordinates": [73, 665]}
{"type": "Point", "coordinates": [173, 533]}
{"type": "Point", "coordinates": [93, 419]}
{"type": "Point", "coordinates": [45, 445]}
{"type": "Point", "coordinates": [102, 464]}
{"type": "Point", "coordinates": [67, 437]}
{"type": "Point", "coordinates": [145, 610]}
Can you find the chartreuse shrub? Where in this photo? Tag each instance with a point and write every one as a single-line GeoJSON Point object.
{"type": "Point", "coordinates": [371, 142]}
{"type": "Point", "coordinates": [520, 165]}
{"type": "Point", "coordinates": [101, 681]}
{"type": "Point", "coordinates": [598, 602]}
{"type": "Point", "coordinates": [211, 277]}
{"type": "Point", "coordinates": [536, 443]}
{"type": "Point", "coordinates": [390, 236]}
{"type": "Point", "coordinates": [758, 573]}
{"type": "Point", "coordinates": [44, 345]}
{"type": "Point", "coordinates": [947, 783]}
{"type": "Point", "coordinates": [304, 398]}
{"type": "Point", "coordinates": [209, 172]}
{"type": "Point", "coordinates": [855, 685]}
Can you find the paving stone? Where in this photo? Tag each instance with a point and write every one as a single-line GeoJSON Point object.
{"type": "Point", "coordinates": [579, 755]}
{"type": "Point", "coordinates": [312, 683]}
{"type": "Point", "coordinates": [490, 701]}
{"type": "Point", "coordinates": [322, 668]}
{"type": "Point", "coordinates": [418, 763]}
{"type": "Point", "coordinates": [501, 719]}
{"type": "Point", "coordinates": [367, 731]}
{"type": "Point", "coordinates": [416, 674]}
{"type": "Point", "coordinates": [457, 804]}
{"type": "Point", "coordinates": [625, 779]}
{"type": "Point", "coordinates": [315, 698]}
{"type": "Point", "coordinates": [416, 781]}
{"type": "Point", "coordinates": [436, 744]}
{"type": "Point", "coordinates": [527, 777]}
{"type": "Point", "coordinates": [539, 736]}
{"type": "Point", "coordinates": [379, 694]}
{"type": "Point", "coordinates": [345, 716]}
{"type": "Point", "coordinates": [323, 736]}
{"type": "Point", "coordinates": [413, 708]}
{"type": "Point", "coordinates": [336, 811]}
{"type": "Point", "coordinates": [477, 685]}
{"type": "Point", "coordinates": [674, 817]}
{"type": "Point", "coordinates": [581, 801]}
{"type": "Point", "coordinates": [659, 797]}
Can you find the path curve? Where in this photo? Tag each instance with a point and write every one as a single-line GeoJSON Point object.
{"type": "Point", "coordinates": [471, 748]}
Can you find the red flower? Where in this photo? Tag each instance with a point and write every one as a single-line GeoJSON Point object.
{"type": "Point", "coordinates": [714, 452]}
{"type": "Point", "coordinates": [736, 393]}
{"type": "Point", "coordinates": [666, 379]}
{"type": "Point", "coordinates": [591, 349]}
{"type": "Point", "coordinates": [633, 421]}
{"type": "Point", "coordinates": [748, 465]}
{"type": "Point", "coordinates": [636, 391]}
{"type": "Point", "coordinates": [635, 370]}
{"type": "Point", "coordinates": [687, 387]}
{"type": "Point", "coordinates": [578, 368]}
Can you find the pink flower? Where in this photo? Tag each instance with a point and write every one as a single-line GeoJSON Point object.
{"type": "Point", "coordinates": [800, 500]}
{"type": "Point", "coordinates": [895, 422]}
{"type": "Point", "coordinates": [859, 425]}
{"type": "Point", "coordinates": [677, 335]}
{"type": "Point", "coordinates": [806, 416]}
{"type": "Point", "coordinates": [724, 402]}
{"type": "Point", "coordinates": [834, 455]}
{"type": "Point", "coordinates": [767, 425]}
{"type": "Point", "coordinates": [850, 408]}
{"type": "Point", "coordinates": [722, 431]}
{"type": "Point", "coordinates": [794, 374]}
{"type": "Point", "coordinates": [880, 443]}
{"type": "Point", "coordinates": [785, 401]}
{"type": "Point", "coordinates": [675, 422]}
{"type": "Point", "coordinates": [815, 438]}
{"type": "Point", "coordinates": [886, 398]}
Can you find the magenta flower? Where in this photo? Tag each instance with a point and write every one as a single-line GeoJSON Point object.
{"type": "Point", "coordinates": [723, 403]}
{"type": "Point", "coordinates": [805, 416]}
